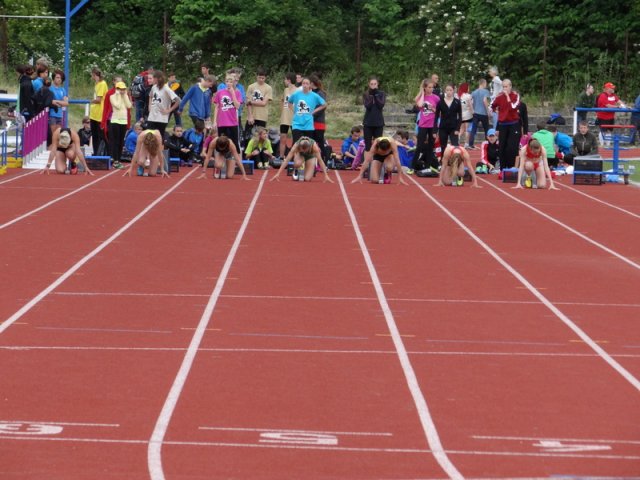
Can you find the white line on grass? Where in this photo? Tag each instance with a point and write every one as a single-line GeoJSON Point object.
{"type": "Point", "coordinates": [62, 278]}
{"type": "Point", "coordinates": [595, 199]}
{"type": "Point", "coordinates": [420, 402]}
{"type": "Point", "coordinates": [563, 225]}
{"type": "Point", "coordinates": [535, 292]}
{"type": "Point", "coordinates": [56, 200]}
{"type": "Point", "coordinates": [154, 451]}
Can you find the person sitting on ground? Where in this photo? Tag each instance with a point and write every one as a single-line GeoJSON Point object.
{"type": "Point", "coordinates": [304, 151]}
{"type": "Point", "coordinates": [546, 136]}
{"type": "Point", "coordinates": [259, 149]}
{"type": "Point", "coordinates": [84, 133]}
{"type": "Point", "coordinates": [349, 147]}
{"type": "Point", "coordinates": [148, 157]}
{"type": "Point", "coordinates": [384, 159]}
{"type": "Point", "coordinates": [454, 162]}
{"type": "Point", "coordinates": [178, 146]}
{"type": "Point", "coordinates": [65, 145]}
{"type": "Point", "coordinates": [406, 148]}
{"type": "Point", "coordinates": [131, 139]}
{"type": "Point", "coordinates": [194, 141]}
{"type": "Point", "coordinates": [489, 153]}
{"type": "Point", "coordinates": [224, 154]}
{"type": "Point", "coordinates": [584, 143]}
{"type": "Point", "coordinates": [533, 168]}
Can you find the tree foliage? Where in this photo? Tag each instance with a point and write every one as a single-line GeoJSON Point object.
{"type": "Point", "coordinates": [401, 41]}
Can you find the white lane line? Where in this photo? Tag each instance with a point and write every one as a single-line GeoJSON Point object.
{"type": "Point", "coordinates": [563, 225]}
{"type": "Point", "coordinates": [595, 199]}
{"type": "Point", "coordinates": [54, 201]}
{"type": "Point", "coordinates": [536, 293]}
{"type": "Point", "coordinates": [72, 424]}
{"type": "Point", "coordinates": [572, 440]}
{"type": "Point", "coordinates": [17, 177]}
{"type": "Point", "coordinates": [112, 330]}
{"type": "Point", "coordinates": [419, 400]}
{"type": "Point", "coordinates": [320, 337]}
{"type": "Point", "coordinates": [230, 429]}
{"type": "Point", "coordinates": [339, 298]}
{"type": "Point", "coordinates": [315, 447]}
{"type": "Point", "coordinates": [62, 278]}
{"type": "Point", "coordinates": [313, 351]}
{"type": "Point", "coordinates": [154, 451]}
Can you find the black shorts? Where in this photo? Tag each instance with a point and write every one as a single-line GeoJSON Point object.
{"type": "Point", "coordinates": [284, 129]}
{"type": "Point", "coordinates": [380, 158]}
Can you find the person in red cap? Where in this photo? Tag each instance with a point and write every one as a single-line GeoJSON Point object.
{"type": "Point", "coordinates": [607, 99]}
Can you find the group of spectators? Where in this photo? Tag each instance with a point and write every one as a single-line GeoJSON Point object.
{"type": "Point", "coordinates": [445, 116]}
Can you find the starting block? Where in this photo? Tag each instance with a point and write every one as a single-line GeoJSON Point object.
{"type": "Point", "coordinates": [248, 168]}
{"type": "Point", "coordinates": [510, 175]}
{"type": "Point", "coordinates": [174, 165]}
{"type": "Point", "coordinates": [290, 170]}
{"type": "Point", "coordinates": [587, 170]}
{"type": "Point", "coordinates": [95, 162]}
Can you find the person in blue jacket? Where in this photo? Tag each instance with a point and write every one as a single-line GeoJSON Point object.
{"type": "Point", "coordinates": [199, 99]}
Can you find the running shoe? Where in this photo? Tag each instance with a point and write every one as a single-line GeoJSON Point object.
{"type": "Point", "coordinates": [459, 181]}
{"type": "Point", "coordinates": [294, 174]}
{"type": "Point", "coordinates": [117, 165]}
{"type": "Point", "coordinates": [74, 168]}
{"type": "Point", "coordinates": [216, 172]}
{"type": "Point", "coordinates": [434, 170]}
{"type": "Point", "coordinates": [527, 182]}
{"type": "Point", "coordinates": [387, 178]}
{"type": "Point", "coordinates": [260, 165]}
{"type": "Point", "coordinates": [410, 171]}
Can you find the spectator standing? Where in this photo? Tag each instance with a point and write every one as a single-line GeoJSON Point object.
{"type": "Point", "coordinates": [259, 95]}
{"type": "Point", "coordinates": [607, 99]}
{"type": "Point", "coordinates": [373, 100]}
{"type": "Point", "coordinates": [448, 118]}
{"type": "Point", "coordinates": [319, 117]}
{"type": "Point", "coordinates": [586, 100]}
{"type": "Point", "coordinates": [162, 101]}
{"type": "Point", "coordinates": [60, 100]}
{"type": "Point", "coordinates": [199, 99]}
{"type": "Point", "coordinates": [496, 89]}
{"type": "Point", "coordinates": [466, 102]}
{"type": "Point", "coordinates": [25, 91]}
{"type": "Point", "coordinates": [427, 102]}
{"type": "Point", "coordinates": [481, 101]}
{"type": "Point", "coordinates": [506, 105]}
{"type": "Point", "coordinates": [225, 115]}
{"type": "Point", "coordinates": [304, 104]}
{"type": "Point", "coordinates": [119, 123]}
{"type": "Point", "coordinates": [140, 88]}
{"type": "Point", "coordinates": [635, 119]}
{"type": "Point", "coordinates": [42, 72]}
{"type": "Point", "coordinates": [96, 109]}
{"type": "Point", "coordinates": [286, 115]}
{"type": "Point", "coordinates": [176, 86]}
{"type": "Point", "coordinates": [435, 79]}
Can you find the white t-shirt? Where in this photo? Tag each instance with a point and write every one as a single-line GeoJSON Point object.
{"type": "Point", "coordinates": [466, 102]}
{"type": "Point", "coordinates": [160, 99]}
{"type": "Point", "coordinates": [496, 87]}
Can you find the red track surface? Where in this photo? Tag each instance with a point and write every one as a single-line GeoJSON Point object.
{"type": "Point", "coordinates": [297, 375]}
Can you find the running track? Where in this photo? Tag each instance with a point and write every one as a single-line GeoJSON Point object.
{"type": "Point", "coordinates": [182, 328]}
